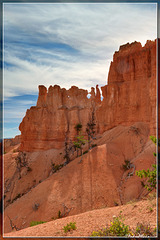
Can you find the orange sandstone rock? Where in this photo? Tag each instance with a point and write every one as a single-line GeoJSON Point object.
{"type": "Point", "coordinates": [129, 97]}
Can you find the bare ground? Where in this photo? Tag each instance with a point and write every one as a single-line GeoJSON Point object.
{"type": "Point", "coordinates": [142, 211]}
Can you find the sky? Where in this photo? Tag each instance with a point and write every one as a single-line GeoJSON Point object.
{"type": "Point", "coordinates": [64, 44]}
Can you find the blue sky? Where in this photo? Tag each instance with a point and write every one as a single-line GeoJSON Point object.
{"type": "Point", "coordinates": [64, 44]}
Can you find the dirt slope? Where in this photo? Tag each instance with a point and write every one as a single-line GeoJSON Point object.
{"type": "Point", "coordinates": [143, 212]}
{"type": "Point", "coordinates": [98, 181]}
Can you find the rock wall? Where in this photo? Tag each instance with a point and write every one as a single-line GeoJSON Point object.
{"type": "Point", "coordinates": [129, 97]}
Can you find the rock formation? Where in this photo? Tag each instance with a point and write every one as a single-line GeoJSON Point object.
{"type": "Point", "coordinates": [129, 97]}
{"type": "Point", "coordinates": [10, 143]}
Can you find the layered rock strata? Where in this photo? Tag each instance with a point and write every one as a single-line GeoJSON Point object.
{"type": "Point", "coordinates": [129, 97]}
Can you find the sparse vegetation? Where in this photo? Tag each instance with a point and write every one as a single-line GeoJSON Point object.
{"type": "Point", "coordinates": [34, 223]}
{"type": "Point", "coordinates": [143, 230]}
{"type": "Point", "coordinates": [29, 169]}
{"type": "Point", "coordinates": [85, 152]}
{"type": "Point", "coordinates": [116, 228]}
{"type": "Point", "coordinates": [94, 145]}
{"type": "Point", "coordinates": [151, 176]}
{"type": "Point", "coordinates": [150, 209]}
{"type": "Point", "coordinates": [69, 149]}
{"type": "Point", "coordinates": [59, 214]}
{"type": "Point", "coordinates": [80, 141]}
{"type": "Point", "coordinates": [78, 127]}
{"type": "Point", "coordinates": [69, 227]}
{"type": "Point", "coordinates": [127, 164]}
{"type": "Point", "coordinates": [154, 140]}
{"type": "Point", "coordinates": [55, 167]}
{"type": "Point", "coordinates": [115, 203]}
{"type": "Point", "coordinates": [21, 161]}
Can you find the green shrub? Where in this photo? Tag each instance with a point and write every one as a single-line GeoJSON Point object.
{"type": "Point", "coordinates": [151, 176]}
{"type": "Point", "coordinates": [154, 140]}
{"type": "Point", "coordinates": [34, 223]}
{"type": "Point", "coordinates": [69, 227]}
{"type": "Point", "coordinates": [143, 230]}
{"type": "Point", "coordinates": [116, 228]}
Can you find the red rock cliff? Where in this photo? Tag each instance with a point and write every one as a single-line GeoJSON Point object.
{"type": "Point", "coordinates": [129, 97]}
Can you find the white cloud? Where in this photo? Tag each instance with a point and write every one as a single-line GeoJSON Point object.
{"type": "Point", "coordinates": [67, 44]}
{"type": "Point", "coordinates": [95, 31]}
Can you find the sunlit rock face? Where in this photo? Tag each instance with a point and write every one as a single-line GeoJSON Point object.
{"type": "Point", "coordinates": [129, 97]}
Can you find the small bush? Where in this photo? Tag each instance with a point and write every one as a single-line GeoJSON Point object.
{"type": "Point", "coordinates": [143, 230]}
{"type": "Point", "coordinates": [151, 176]}
{"type": "Point", "coordinates": [29, 169]}
{"type": "Point", "coordinates": [116, 228]}
{"type": "Point", "coordinates": [150, 209]}
{"type": "Point", "coordinates": [59, 214]}
{"type": "Point", "coordinates": [126, 166]}
{"type": "Point", "coordinates": [34, 223]}
{"type": "Point", "coordinates": [69, 227]}
{"type": "Point", "coordinates": [78, 127]}
{"type": "Point", "coordinates": [85, 152]}
{"type": "Point", "coordinates": [94, 145]}
{"type": "Point", "coordinates": [115, 203]}
{"type": "Point", "coordinates": [57, 167]}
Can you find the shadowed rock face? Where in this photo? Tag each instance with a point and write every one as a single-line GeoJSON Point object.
{"type": "Point", "coordinates": [129, 97]}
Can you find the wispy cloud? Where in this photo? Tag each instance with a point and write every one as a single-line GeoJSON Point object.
{"type": "Point", "coordinates": [68, 44]}
{"type": "Point", "coordinates": [56, 43]}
